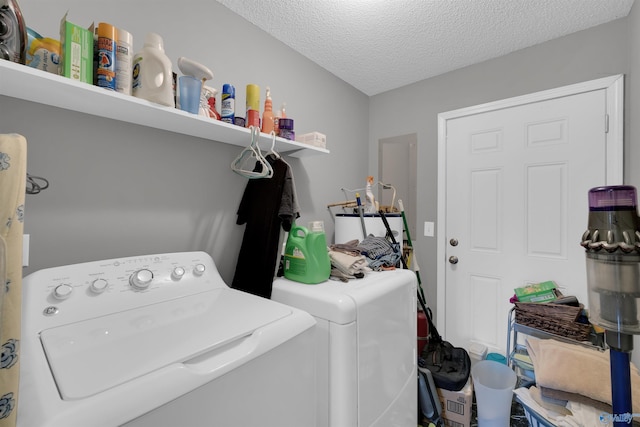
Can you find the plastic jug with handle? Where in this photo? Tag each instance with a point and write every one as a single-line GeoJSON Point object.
{"type": "Point", "coordinates": [306, 257]}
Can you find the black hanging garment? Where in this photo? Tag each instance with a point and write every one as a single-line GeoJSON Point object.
{"type": "Point", "coordinates": [267, 204]}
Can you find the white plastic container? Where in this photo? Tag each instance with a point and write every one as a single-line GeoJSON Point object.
{"type": "Point", "coordinates": [316, 139]}
{"type": "Point", "coordinates": [152, 74]}
{"type": "Point", "coordinates": [477, 352]}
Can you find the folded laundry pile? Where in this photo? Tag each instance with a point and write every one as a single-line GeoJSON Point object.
{"type": "Point", "coordinates": [347, 266]}
{"type": "Point", "coordinates": [354, 258]}
{"type": "Point", "coordinates": [561, 414]}
{"type": "Point", "coordinates": [575, 377]}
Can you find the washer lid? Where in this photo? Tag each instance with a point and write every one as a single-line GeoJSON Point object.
{"type": "Point", "coordinates": [89, 357]}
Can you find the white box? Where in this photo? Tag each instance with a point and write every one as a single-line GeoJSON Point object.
{"type": "Point", "coordinates": [456, 405]}
{"type": "Point", "coordinates": [316, 139]}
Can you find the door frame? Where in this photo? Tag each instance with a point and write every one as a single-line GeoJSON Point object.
{"type": "Point", "coordinates": [614, 86]}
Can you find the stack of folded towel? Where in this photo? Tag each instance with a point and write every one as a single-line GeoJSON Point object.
{"type": "Point", "coordinates": [354, 258]}
{"type": "Point", "coordinates": [576, 378]}
{"type": "Point", "coordinates": [344, 265]}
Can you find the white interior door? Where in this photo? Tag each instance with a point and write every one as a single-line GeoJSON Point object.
{"type": "Point", "coordinates": [513, 202]}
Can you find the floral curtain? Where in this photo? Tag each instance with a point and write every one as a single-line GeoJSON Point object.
{"type": "Point", "coordinates": [13, 173]}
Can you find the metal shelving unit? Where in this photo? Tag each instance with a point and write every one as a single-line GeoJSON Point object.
{"type": "Point", "coordinates": [513, 347]}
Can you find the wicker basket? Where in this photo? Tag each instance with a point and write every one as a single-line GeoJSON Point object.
{"type": "Point", "coordinates": [558, 319]}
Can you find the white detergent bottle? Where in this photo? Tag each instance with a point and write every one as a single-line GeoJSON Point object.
{"type": "Point", "coordinates": [152, 74]}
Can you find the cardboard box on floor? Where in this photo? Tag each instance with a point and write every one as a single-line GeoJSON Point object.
{"type": "Point", "coordinates": [456, 405]}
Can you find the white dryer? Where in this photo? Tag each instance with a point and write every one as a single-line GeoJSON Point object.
{"type": "Point", "coordinates": [366, 347]}
{"type": "Point", "coordinates": [160, 340]}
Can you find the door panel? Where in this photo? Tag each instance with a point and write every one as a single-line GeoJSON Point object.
{"type": "Point", "coordinates": [515, 184]}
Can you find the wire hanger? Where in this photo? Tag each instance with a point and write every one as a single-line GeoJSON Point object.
{"type": "Point", "coordinates": [273, 145]}
{"type": "Point", "coordinates": [250, 163]}
{"type": "Point", "coordinates": [35, 184]}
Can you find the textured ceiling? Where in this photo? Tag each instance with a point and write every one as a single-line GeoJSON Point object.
{"type": "Point", "coordinates": [379, 45]}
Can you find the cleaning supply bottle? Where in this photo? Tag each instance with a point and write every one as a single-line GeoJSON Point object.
{"type": "Point", "coordinates": [228, 103]}
{"type": "Point", "coordinates": [124, 61]}
{"type": "Point", "coordinates": [267, 115]}
{"type": "Point", "coordinates": [253, 106]}
{"type": "Point", "coordinates": [152, 74]}
{"type": "Point", "coordinates": [106, 67]}
{"type": "Point", "coordinates": [281, 114]}
{"type": "Point", "coordinates": [306, 257]}
{"type": "Point", "coordinates": [371, 201]}
{"type": "Point", "coordinates": [210, 95]}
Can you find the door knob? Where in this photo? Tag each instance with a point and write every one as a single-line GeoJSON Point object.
{"type": "Point", "coordinates": [453, 242]}
{"type": "Point", "coordinates": [453, 259]}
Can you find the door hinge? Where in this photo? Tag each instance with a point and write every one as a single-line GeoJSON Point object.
{"type": "Point", "coordinates": [606, 123]}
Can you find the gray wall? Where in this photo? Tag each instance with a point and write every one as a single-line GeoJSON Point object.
{"type": "Point", "coordinates": [586, 55]}
{"type": "Point", "coordinates": [119, 189]}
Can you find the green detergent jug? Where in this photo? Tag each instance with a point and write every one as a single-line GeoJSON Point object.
{"type": "Point", "coordinates": [306, 258]}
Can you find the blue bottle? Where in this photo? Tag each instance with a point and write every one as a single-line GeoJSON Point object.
{"type": "Point", "coordinates": [228, 103]}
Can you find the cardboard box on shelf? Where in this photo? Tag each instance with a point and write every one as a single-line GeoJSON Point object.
{"type": "Point", "coordinates": [456, 405]}
{"type": "Point", "coordinates": [537, 292]}
{"type": "Point", "coordinates": [316, 139]}
{"type": "Point", "coordinates": [76, 61]}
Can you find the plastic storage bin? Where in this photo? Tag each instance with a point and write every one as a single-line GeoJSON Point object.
{"type": "Point", "coordinates": [534, 418]}
{"type": "Point", "coordinates": [477, 352]}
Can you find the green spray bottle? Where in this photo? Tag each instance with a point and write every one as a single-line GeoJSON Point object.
{"type": "Point", "coordinates": [306, 257]}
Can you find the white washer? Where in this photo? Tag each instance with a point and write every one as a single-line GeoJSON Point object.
{"type": "Point", "coordinates": [366, 345]}
{"type": "Point", "coordinates": [160, 340]}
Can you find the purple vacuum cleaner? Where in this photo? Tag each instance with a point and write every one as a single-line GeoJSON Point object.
{"type": "Point", "coordinates": [612, 243]}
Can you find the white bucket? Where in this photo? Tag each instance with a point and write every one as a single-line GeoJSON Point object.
{"type": "Point", "coordinates": [493, 383]}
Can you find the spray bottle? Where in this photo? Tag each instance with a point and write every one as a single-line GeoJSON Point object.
{"type": "Point", "coordinates": [200, 72]}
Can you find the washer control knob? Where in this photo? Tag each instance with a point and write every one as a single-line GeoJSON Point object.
{"type": "Point", "coordinates": [199, 269]}
{"type": "Point", "coordinates": [62, 291]}
{"type": "Point", "coordinates": [177, 273]}
{"type": "Point", "coordinates": [98, 286]}
{"type": "Point", "coordinates": [141, 279]}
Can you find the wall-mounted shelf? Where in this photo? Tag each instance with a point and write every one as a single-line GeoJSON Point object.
{"type": "Point", "coordinates": [22, 82]}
